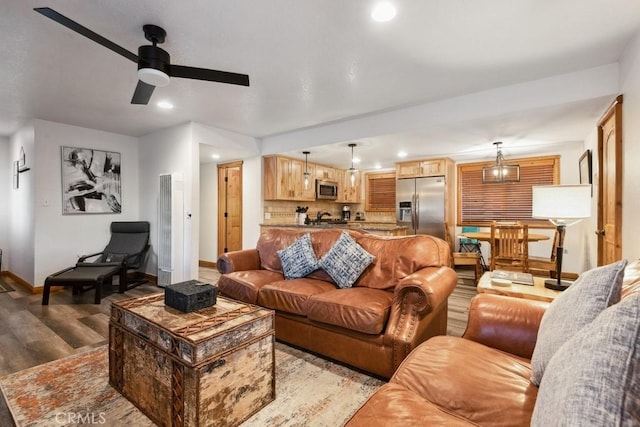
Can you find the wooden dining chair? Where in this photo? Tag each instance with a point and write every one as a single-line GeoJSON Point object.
{"type": "Point", "coordinates": [466, 259]}
{"type": "Point", "coordinates": [510, 246]}
{"type": "Point", "coordinates": [548, 264]}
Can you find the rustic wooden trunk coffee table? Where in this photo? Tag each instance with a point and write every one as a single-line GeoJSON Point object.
{"type": "Point", "coordinates": [213, 366]}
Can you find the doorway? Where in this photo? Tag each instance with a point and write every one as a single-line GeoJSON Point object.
{"type": "Point", "coordinates": [229, 207]}
{"type": "Point", "coordinates": [610, 184]}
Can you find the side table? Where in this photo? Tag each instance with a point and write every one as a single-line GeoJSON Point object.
{"type": "Point", "coordinates": [536, 292]}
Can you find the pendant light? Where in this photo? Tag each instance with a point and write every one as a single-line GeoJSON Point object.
{"type": "Point", "coordinates": [501, 172]}
{"type": "Point", "coordinates": [306, 169]}
{"type": "Point", "coordinates": [352, 170]}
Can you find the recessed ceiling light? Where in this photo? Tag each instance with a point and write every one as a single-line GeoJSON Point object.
{"type": "Point", "coordinates": [165, 105]}
{"type": "Point", "coordinates": [377, 166]}
{"type": "Point", "coordinates": [356, 160]}
{"type": "Point", "coordinates": [402, 154]}
{"type": "Point", "coordinates": [383, 12]}
{"type": "Point", "coordinates": [215, 156]}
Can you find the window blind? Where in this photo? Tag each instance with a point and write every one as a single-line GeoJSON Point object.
{"type": "Point", "coordinates": [479, 204]}
{"type": "Point", "coordinates": [380, 192]}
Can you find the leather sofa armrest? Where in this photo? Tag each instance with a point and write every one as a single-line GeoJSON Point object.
{"type": "Point", "coordinates": [415, 297]}
{"type": "Point", "coordinates": [426, 288]}
{"type": "Point", "coordinates": [505, 323]}
{"type": "Point", "coordinates": [247, 259]}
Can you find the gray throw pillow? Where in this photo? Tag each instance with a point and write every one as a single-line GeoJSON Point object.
{"type": "Point", "coordinates": [589, 295]}
{"type": "Point", "coordinates": [594, 378]}
{"type": "Point", "coordinates": [298, 259]}
{"type": "Point", "coordinates": [345, 261]}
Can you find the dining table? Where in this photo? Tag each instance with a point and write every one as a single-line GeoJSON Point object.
{"type": "Point", "coordinates": [485, 236]}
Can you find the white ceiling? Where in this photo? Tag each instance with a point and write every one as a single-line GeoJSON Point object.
{"type": "Point", "coordinates": [312, 62]}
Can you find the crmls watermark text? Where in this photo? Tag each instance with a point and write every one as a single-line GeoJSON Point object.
{"type": "Point", "coordinates": [87, 418]}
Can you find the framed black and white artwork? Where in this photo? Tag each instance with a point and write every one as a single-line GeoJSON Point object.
{"type": "Point", "coordinates": [90, 181]}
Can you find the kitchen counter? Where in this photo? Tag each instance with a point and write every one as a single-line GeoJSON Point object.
{"type": "Point", "coordinates": [381, 228]}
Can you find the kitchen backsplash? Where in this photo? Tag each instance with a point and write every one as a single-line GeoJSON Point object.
{"type": "Point", "coordinates": [284, 212]}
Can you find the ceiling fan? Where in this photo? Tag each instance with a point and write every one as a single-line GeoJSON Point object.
{"type": "Point", "coordinates": [154, 65]}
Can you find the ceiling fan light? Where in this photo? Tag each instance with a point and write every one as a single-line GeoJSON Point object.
{"type": "Point", "coordinates": [153, 77]}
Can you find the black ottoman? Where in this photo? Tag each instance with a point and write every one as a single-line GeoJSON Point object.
{"type": "Point", "coordinates": [79, 276]}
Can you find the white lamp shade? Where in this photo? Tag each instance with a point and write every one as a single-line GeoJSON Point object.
{"type": "Point", "coordinates": [560, 202]}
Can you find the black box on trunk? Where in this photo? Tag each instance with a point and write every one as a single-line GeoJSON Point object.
{"type": "Point", "coordinates": [190, 296]}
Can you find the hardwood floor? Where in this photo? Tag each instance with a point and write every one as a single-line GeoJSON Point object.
{"type": "Point", "coordinates": [32, 334]}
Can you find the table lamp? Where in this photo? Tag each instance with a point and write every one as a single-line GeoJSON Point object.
{"type": "Point", "coordinates": [562, 205]}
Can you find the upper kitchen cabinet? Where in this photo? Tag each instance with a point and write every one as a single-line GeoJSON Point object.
{"type": "Point", "coordinates": [348, 192]}
{"type": "Point", "coordinates": [284, 179]}
{"type": "Point", "coordinates": [408, 169]}
{"type": "Point", "coordinates": [420, 168]}
{"type": "Point", "coordinates": [326, 173]}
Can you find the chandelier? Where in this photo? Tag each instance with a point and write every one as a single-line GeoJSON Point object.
{"type": "Point", "coordinates": [501, 172]}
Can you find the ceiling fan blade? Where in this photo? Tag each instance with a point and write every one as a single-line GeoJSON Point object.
{"type": "Point", "coordinates": [142, 93]}
{"type": "Point", "coordinates": [208, 75]}
{"type": "Point", "coordinates": [72, 25]}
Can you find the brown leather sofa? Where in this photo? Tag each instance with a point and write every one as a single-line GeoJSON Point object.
{"type": "Point", "coordinates": [482, 378]}
{"type": "Point", "coordinates": [398, 302]}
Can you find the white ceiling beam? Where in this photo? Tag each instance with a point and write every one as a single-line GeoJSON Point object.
{"type": "Point", "coordinates": [553, 91]}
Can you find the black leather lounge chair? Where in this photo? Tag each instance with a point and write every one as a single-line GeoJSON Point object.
{"type": "Point", "coordinates": [126, 251]}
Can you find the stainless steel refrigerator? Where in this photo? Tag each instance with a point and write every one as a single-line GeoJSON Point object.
{"type": "Point", "coordinates": [420, 205]}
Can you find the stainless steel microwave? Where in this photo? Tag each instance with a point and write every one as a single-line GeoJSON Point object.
{"type": "Point", "coordinates": [327, 190]}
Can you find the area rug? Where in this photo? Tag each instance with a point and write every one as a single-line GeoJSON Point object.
{"type": "Point", "coordinates": [4, 287]}
{"type": "Point", "coordinates": [310, 391]}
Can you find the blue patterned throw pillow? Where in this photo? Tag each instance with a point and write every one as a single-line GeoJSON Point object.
{"type": "Point", "coordinates": [345, 261]}
{"type": "Point", "coordinates": [298, 259]}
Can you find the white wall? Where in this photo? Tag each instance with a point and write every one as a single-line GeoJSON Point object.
{"type": "Point", "coordinates": [19, 258]}
{"type": "Point", "coordinates": [170, 151]}
{"type": "Point", "coordinates": [208, 212]}
{"type": "Point", "coordinates": [630, 88]}
{"type": "Point", "coordinates": [252, 201]}
{"type": "Point", "coordinates": [59, 239]}
{"type": "Point", "coordinates": [233, 146]}
{"type": "Point", "coordinates": [5, 192]}
{"type": "Point", "coordinates": [590, 225]}
{"type": "Point", "coordinates": [251, 206]}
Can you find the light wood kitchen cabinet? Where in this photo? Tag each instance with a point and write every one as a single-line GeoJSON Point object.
{"type": "Point", "coordinates": [284, 179]}
{"type": "Point", "coordinates": [420, 168]}
{"type": "Point", "coordinates": [348, 193]}
{"type": "Point", "coordinates": [408, 169]}
{"type": "Point", "coordinates": [435, 167]}
{"type": "Point", "coordinates": [326, 173]}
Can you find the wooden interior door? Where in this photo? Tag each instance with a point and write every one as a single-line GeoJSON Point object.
{"type": "Point", "coordinates": [610, 185]}
{"type": "Point", "coordinates": [229, 207]}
